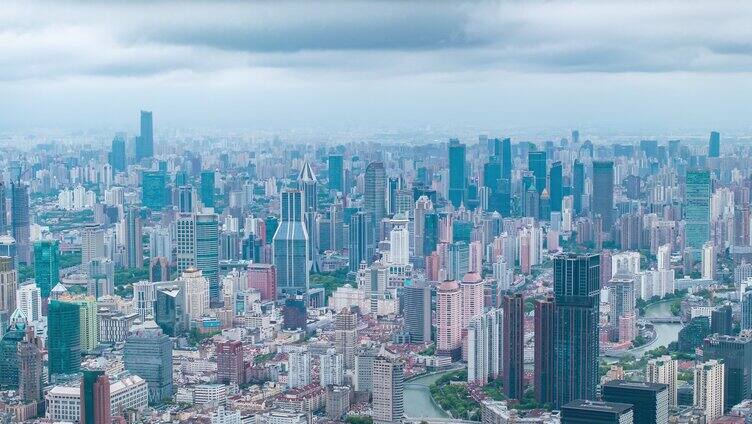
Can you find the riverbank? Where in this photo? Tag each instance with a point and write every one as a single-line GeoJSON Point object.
{"type": "Point", "coordinates": [419, 404]}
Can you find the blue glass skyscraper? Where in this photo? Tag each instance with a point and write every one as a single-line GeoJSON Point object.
{"type": "Point", "coordinates": [697, 191]}
{"type": "Point", "coordinates": [457, 172]}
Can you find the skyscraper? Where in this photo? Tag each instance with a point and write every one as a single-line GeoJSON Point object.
{"type": "Point", "coordinates": [336, 173]}
{"type": "Point", "coordinates": [346, 336]}
{"type": "Point", "coordinates": [330, 368]}
{"type": "Point", "coordinates": [95, 397]}
{"type": "Point", "coordinates": [650, 400]}
{"type": "Point", "coordinates": [709, 393]}
{"type": "Point", "coordinates": [145, 141]}
{"type": "Point", "coordinates": [308, 184]}
{"type": "Point", "coordinates": [697, 191]}
{"type": "Point", "coordinates": [133, 239]}
{"type": "Point", "coordinates": [714, 145]}
{"type": "Point", "coordinates": [207, 252]}
{"type": "Point", "coordinates": [185, 199]}
{"type": "Point", "coordinates": [506, 160]}
{"type": "Point", "coordinates": [148, 353]}
{"type": "Point", "coordinates": [206, 192]}
{"type": "Point", "coordinates": [291, 246]}
{"type": "Point", "coordinates": [536, 163]}
{"type": "Point", "coordinates": [63, 337]}
{"type": "Point", "coordinates": [578, 185]}
{"type": "Point", "coordinates": [8, 285]}
{"type": "Point", "coordinates": [117, 154]}
{"type": "Point", "coordinates": [736, 355]}
{"type": "Point", "coordinates": [576, 343]}
{"type": "Point", "coordinates": [230, 367]}
{"type": "Point", "coordinates": [92, 243]}
{"type": "Point", "coordinates": [543, 372]}
{"type": "Point", "coordinates": [298, 367]}
{"type": "Point", "coordinates": [417, 310]}
{"type": "Point", "coordinates": [361, 240]}
{"type": "Point", "coordinates": [374, 196]}
{"type": "Point", "coordinates": [3, 211]}
{"type": "Point", "coordinates": [457, 172]}
{"type": "Point", "coordinates": [46, 265]}
{"type": "Point", "coordinates": [603, 193]}
{"type": "Point", "coordinates": [388, 391]}
{"type": "Point", "coordinates": [20, 221]}
{"type": "Point", "coordinates": [556, 184]}
{"type": "Point", "coordinates": [663, 370]}
{"type": "Point", "coordinates": [9, 359]}
{"type": "Point", "coordinates": [448, 319]}
{"type": "Point", "coordinates": [583, 411]}
{"type": "Point", "coordinates": [154, 190]}
{"type": "Point", "coordinates": [513, 342]}
{"type": "Point", "coordinates": [31, 367]}
{"type": "Point", "coordinates": [485, 335]}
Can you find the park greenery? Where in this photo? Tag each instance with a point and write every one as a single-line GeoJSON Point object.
{"type": "Point", "coordinates": [359, 419]}
{"type": "Point", "coordinates": [450, 392]}
{"type": "Point", "coordinates": [330, 281]}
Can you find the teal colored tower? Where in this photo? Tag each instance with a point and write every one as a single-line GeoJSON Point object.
{"type": "Point", "coordinates": [46, 265]}
{"type": "Point", "coordinates": [697, 193]}
{"type": "Point", "coordinates": [207, 189]}
{"type": "Point", "coordinates": [63, 337]}
{"type": "Point", "coordinates": [154, 190]}
{"type": "Point", "coordinates": [457, 172]}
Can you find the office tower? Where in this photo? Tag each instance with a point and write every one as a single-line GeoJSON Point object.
{"type": "Point", "coordinates": [399, 243]}
{"type": "Point", "coordinates": [374, 196]}
{"type": "Point", "coordinates": [196, 288]}
{"type": "Point", "coordinates": [95, 397]}
{"type": "Point", "coordinates": [663, 370]}
{"type": "Point", "coordinates": [346, 336]}
{"type": "Point", "coordinates": [88, 328]}
{"type": "Point", "coordinates": [185, 242]}
{"type": "Point", "coordinates": [448, 319]}
{"type": "Point", "coordinates": [721, 320]}
{"type": "Point", "coordinates": [536, 163]}
{"type": "Point", "coordinates": [603, 193]}
{"type": "Point", "coordinates": [117, 153]}
{"type": "Point", "coordinates": [185, 199]}
{"type": "Point", "coordinates": [9, 360]}
{"type": "Point", "coordinates": [388, 391]}
{"type": "Point", "coordinates": [207, 252]}
{"type": "Point", "coordinates": [708, 264]}
{"type": "Point", "coordinates": [20, 221]}
{"type": "Point", "coordinates": [92, 243]}
{"type": "Point", "coordinates": [29, 302]}
{"type": "Point", "coordinates": [230, 366]}
{"type": "Point", "coordinates": [556, 183]}
{"type": "Point", "coordinates": [458, 260]}
{"type": "Point", "coordinates": [298, 367]}
{"type": "Point", "coordinates": [544, 373]}
{"type": "Point", "coordinates": [361, 240]}
{"type": "Point", "coordinates": [709, 393]}
{"type": "Point", "coordinates": [63, 337]}
{"type": "Point", "coordinates": [154, 190]}
{"type": "Point", "coordinates": [133, 239]}
{"type": "Point", "coordinates": [330, 368]}
{"type": "Point", "coordinates": [576, 343]}
{"type": "Point", "coordinates": [736, 355]}
{"type": "Point", "coordinates": [170, 309]}
{"type": "Point", "coordinates": [457, 172]}
{"type": "Point", "coordinates": [337, 402]}
{"type": "Point", "coordinates": [148, 354]}
{"type": "Point", "coordinates": [473, 298]}
{"type": "Point", "coordinates": [145, 141]}
{"type": "Point", "coordinates": [143, 299]}
{"type": "Point", "coordinates": [578, 185]}
{"type": "Point", "coordinates": [291, 246]}
{"type": "Point", "coordinates": [8, 285]}
{"type": "Point", "coordinates": [650, 400]}
{"type": "Point", "coordinates": [263, 277]}
{"type": "Point", "coordinates": [430, 233]}
{"type": "Point", "coordinates": [3, 211]}
{"type": "Point", "coordinates": [485, 346]}
{"type": "Point", "coordinates": [416, 296]}
{"type": "Point", "coordinates": [336, 173]}
{"type": "Point", "coordinates": [714, 145]}
{"type": "Point", "coordinates": [583, 411]}
{"type": "Point", "coordinates": [294, 312]}
{"type": "Point", "coordinates": [621, 298]}
{"type": "Point", "coordinates": [307, 184]}
{"type": "Point", "coordinates": [697, 191]}
{"type": "Point", "coordinates": [747, 310]}
{"type": "Point", "coordinates": [206, 191]}
{"type": "Point", "coordinates": [46, 265]}
{"type": "Point", "coordinates": [514, 342]}
{"type": "Point", "coordinates": [159, 269]}
{"type": "Point", "coordinates": [31, 367]}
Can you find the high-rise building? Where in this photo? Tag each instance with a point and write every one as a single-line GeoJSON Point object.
{"type": "Point", "coordinates": [361, 240]}
{"type": "Point", "coordinates": [148, 353]}
{"type": "Point", "coordinates": [185, 199]}
{"type": "Point", "coordinates": [154, 193]}
{"type": "Point", "coordinates": [458, 260]}
{"type": "Point", "coordinates": [207, 252]}
{"type": "Point", "coordinates": [536, 163]}
{"type": "Point", "coordinates": [20, 221]}
{"type": "Point", "coordinates": [9, 359]}
{"type": "Point", "coordinates": [263, 277]}
{"type": "Point", "coordinates": [117, 154]}
{"type": "Point", "coordinates": [159, 269]}
{"type": "Point", "coordinates": [457, 172]}
{"type": "Point", "coordinates": [484, 347]}
{"type": "Point", "coordinates": [714, 145]}
{"type": "Point", "coordinates": [747, 310]}
{"type": "Point", "coordinates": [8, 285]}
{"type": "Point", "coordinates": [170, 310]}
{"type": "Point", "coordinates": [3, 210]}
{"type": "Point", "coordinates": [133, 239]}
{"type": "Point", "coordinates": [46, 265]}
{"type": "Point", "coordinates": [31, 367]}
{"type": "Point", "coordinates": [145, 141]}
{"type": "Point", "coordinates": [230, 366]}
{"type": "Point", "coordinates": [206, 192]}
{"type": "Point", "coordinates": [346, 336]}
{"type": "Point", "coordinates": [416, 296]}
{"type": "Point", "coordinates": [63, 337]}
{"type": "Point", "coordinates": [308, 184]}
{"type": "Point", "coordinates": [576, 343]}
{"type": "Point", "coordinates": [88, 322]}
{"type": "Point", "coordinates": [663, 370]}
{"type": "Point", "coordinates": [709, 393]}
{"type": "Point", "coordinates": [650, 400]}
{"type": "Point", "coordinates": [374, 196]}
{"type": "Point", "coordinates": [388, 391]}
{"type": "Point", "coordinates": [506, 161]}
{"type": "Point", "coordinates": [514, 343]}
{"type": "Point", "coordinates": [736, 355]}
{"type": "Point", "coordinates": [95, 398]}
{"type": "Point", "coordinates": [298, 367]}
{"type": "Point", "coordinates": [721, 320]}
{"type": "Point", "coordinates": [582, 411]}
{"type": "Point", "coordinates": [556, 184]}
{"type": "Point", "coordinates": [473, 299]}
{"type": "Point", "coordinates": [29, 301]}
{"type": "Point", "coordinates": [92, 243]}
{"type": "Point", "coordinates": [543, 372]}
{"type": "Point", "coordinates": [578, 185]}
{"type": "Point", "coordinates": [330, 368]}
{"type": "Point", "coordinates": [291, 246]}
{"type": "Point", "coordinates": [603, 193]}
{"type": "Point", "coordinates": [697, 193]}
{"type": "Point", "coordinates": [336, 173]}
{"type": "Point", "coordinates": [448, 319]}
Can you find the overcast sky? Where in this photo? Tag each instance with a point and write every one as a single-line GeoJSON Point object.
{"type": "Point", "coordinates": [626, 66]}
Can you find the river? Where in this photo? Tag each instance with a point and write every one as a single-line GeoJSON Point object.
{"type": "Point", "coordinates": [418, 403]}
{"type": "Point", "coordinates": [665, 332]}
